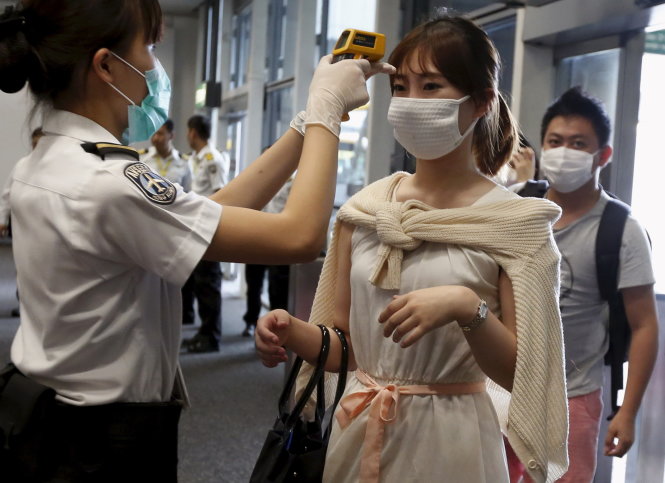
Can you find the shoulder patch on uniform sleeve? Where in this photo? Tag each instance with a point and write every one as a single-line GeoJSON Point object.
{"type": "Point", "coordinates": [209, 157]}
{"type": "Point", "coordinates": [156, 188]}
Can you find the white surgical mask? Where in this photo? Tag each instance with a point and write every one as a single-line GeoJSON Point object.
{"type": "Point", "coordinates": [566, 169]}
{"type": "Point", "coordinates": [427, 128]}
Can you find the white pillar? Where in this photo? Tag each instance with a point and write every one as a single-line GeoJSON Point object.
{"type": "Point", "coordinates": [305, 47]}
{"type": "Point", "coordinates": [379, 132]}
{"type": "Point", "coordinates": [255, 82]}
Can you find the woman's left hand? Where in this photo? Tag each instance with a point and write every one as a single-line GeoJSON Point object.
{"type": "Point", "coordinates": [410, 316]}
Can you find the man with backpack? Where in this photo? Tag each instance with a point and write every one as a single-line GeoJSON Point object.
{"type": "Point", "coordinates": [575, 146]}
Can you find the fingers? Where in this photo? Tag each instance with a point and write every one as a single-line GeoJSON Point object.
{"type": "Point", "coordinates": [404, 332]}
{"type": "Point", "coordinates": [379, 68]}
{"type": "Point", "coordinates": [326, 59]}
{"type": "Point", "coordinates": [618, 448]}
{"type": "Point", "coordinates": [397, 303]}
{"type": "Point", "coordinates": [412, 336]}
{"type": "Point", "coordinates": [267, 337]}
{"type": "Point", "coordinates": [394, 321]}
{"type": "Point", "coordinates": [609, 442]}
{"type": "Point", "coordinates": [616, 444]}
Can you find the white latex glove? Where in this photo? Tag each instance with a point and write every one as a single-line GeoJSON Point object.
{"type": "Point", "coordinates": [339, 88]}
{"type": "Point", "coordinates": [298, 123]}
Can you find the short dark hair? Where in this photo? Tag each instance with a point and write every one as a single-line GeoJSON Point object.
{"type": "Point", "coordinates": [168, 124]}
{"type": "Point", "coordinates": [201, 125]}
{"type": "Point", "coordinates": [576, 102]}
{"type": "Point", "coordinates": [50, 43]}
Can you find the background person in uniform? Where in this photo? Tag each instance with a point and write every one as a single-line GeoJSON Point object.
{"type": "Point", "coordinates": [278, 275]}
{"type": "Point", "coordinates": [164, 159]}
{"type": "Point", "coordinates": [575, 135]}
{"type": "Point", "coordinates": [210, 173]}
{"type": "Point", "coordinates": [103, 245]}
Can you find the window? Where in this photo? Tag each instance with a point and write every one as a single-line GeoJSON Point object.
{"type": "Point", "coordinates": [649, 169]}
{"type": "Point", "coordinates": [502, 33]}
{"type": "Point", "coordinates": [340, 15]}
{"type": "Point", "coordinates": [240, 43]}
{"type": "Point", "coordinates": [596, 72]}
{"type": "Point", "coordinates": [281, 40]}
{"type": "Point", "coordinates": [278, 113]}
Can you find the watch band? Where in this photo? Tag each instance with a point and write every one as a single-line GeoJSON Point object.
{"type": "Point", "coordinates": [481, 316]}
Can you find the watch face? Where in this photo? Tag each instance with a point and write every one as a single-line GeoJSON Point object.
{"type": "Point", "coordinates": [482, 310]}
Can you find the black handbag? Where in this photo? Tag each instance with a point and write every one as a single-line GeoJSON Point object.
{"type": "Point", "coordinates": [295, 450]}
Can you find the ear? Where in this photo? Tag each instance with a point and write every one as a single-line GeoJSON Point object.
{"type": "Point", "coordinates": [605, 156]}
{"type": "Point", "coordinates": [101, 65]}
{"type": "Point", "coordinates": [484, 105]}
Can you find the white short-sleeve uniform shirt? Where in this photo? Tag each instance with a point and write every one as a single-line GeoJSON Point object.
{"type": "Point", "coordinates": [210, 170]}
{"type": "Point", "coordinates": [174, 167]}
{"type": "Point", "coordinates": [102, 247]}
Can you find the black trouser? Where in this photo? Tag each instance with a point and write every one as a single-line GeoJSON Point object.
{"type": "Point", "coordinates": [204, 284]}
{"type": "Point", "coordinates": [122, 442]}
{"type": "Point", "coordinates": [278, 289]}
{"type": "Point", "coordinates": [254, 275]}
{"type": "Point", "coordinates": [278, 286]}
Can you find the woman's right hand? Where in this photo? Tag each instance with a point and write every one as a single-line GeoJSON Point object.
{"type": "Point", "coordinates": [339, 88]}
{"type": "Point", "coordinates": [271, 335]}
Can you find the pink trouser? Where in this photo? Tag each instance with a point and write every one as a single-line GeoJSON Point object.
{"type": "Point", "coordinates": [584, 413]}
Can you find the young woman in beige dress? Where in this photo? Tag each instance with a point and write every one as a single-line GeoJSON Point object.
{"type": "Point", "coordinates": [446, 286]}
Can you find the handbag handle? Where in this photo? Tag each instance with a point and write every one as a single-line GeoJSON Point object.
{"type": "Point", "coordinates": [341, 381]}
{"type": "Point", "coordinates": [343, 368]}
{"type": "Point", "coordinates": [311, 384]}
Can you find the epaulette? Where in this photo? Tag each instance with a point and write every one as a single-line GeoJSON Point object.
{"type": "Point", "coordinates": [185, 156]}
{"type": "Point", "coordinates": [209, 157]}
{"type": "Point", "coordinates": [102, 149]}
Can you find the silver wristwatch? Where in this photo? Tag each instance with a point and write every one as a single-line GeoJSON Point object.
{"type": "Point", "coordinates": [481, 316]}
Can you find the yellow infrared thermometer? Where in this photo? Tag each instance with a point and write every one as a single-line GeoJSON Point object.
{"type": "Point", "coordinates": [359, 44]}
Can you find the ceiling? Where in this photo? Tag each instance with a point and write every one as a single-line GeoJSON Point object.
{"type": "Point", "coordinates": [179, 7]}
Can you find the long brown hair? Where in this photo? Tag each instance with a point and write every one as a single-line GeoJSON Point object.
{"type": "Point", "coordinates": [50, 43]}
{"type": "Point", "coordinates": [466, 56]}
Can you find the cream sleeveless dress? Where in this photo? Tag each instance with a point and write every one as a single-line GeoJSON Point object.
{"type": "Point", "coordinates": [433, 438]}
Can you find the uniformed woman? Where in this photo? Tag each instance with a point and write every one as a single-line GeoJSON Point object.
{"type": "Point", "coordinates": [102, 244]}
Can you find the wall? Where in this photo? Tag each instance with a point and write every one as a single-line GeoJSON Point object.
{"type": "Point", "coordinates": [15, 130]}
{"type": "Point", "coordinates": [178, 53]}
{"type": "Point", "coordinates": [186, 55]}
{"type": "Point", "coordinates": [561, 23]}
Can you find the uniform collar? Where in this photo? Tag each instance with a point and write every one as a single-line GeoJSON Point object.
{"type": "Point", "coordinates": [72, 125]}
{"type": "Point", "coordinates": [204, 150]}
{"type": "Point", "coordinates": [172, 155]}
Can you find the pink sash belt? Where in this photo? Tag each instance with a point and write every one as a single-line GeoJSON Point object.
{"type": "Point", "coordinates": [383, 405]}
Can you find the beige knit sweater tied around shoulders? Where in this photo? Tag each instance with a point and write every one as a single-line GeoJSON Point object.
{"type": "Point", "coordinates": [517, 234]}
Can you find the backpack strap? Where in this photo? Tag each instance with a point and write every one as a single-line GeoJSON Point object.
{"type": "Point", "coordinates": [608, 247]}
